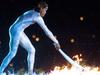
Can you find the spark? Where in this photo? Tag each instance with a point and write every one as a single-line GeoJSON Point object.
{"type": "Point", "coordinates": [81, 18]}
{"type": "Point", "coordinates": [37, 39]}
{"type": "Point", "coordinates": [72, 40]}
{"type": "Point", "coordinates": [33, 36]}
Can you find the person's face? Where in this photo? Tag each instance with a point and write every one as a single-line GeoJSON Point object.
{"type": "Point", "coordinates": [43, 11]}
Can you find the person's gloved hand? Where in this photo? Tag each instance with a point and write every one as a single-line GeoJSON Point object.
{"type": "Point", "coordinates": [57, 46]}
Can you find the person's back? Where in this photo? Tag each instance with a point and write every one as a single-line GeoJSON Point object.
{"type": "Point", "coordinates": [25, 20]}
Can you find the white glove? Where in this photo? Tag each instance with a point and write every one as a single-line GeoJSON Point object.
{"type": "Point", "coordinates": [57, 46]}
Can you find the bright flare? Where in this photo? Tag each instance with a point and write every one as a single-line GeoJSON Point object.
{"type": "Point", "coordinates": [75, 71]}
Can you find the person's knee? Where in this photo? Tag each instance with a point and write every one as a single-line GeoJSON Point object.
{"type": "Point", "coordinates": [32, 50]}
{"type": "Point", "coordinates": [12, 54]}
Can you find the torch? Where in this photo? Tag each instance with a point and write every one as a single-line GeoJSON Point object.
{"type": "Point", "coordinates": [70, 60]}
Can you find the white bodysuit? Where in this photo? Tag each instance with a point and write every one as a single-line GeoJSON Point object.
{"type": "Point", "coordinates": [17, 36]}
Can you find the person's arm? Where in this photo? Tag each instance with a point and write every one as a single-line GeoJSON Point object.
{"type": "Point", "coordinates": [41, 23]}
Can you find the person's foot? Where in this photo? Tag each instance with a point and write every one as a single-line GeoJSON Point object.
{"type": "Point", "coordinates": [30, 72]}
{"type": "Point", "coordinates": [2, 73]}
{"type": "Point", "coordinates": [34, 73]}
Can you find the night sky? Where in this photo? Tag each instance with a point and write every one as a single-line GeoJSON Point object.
{"type": "Point", "coordinates": [76, 26]}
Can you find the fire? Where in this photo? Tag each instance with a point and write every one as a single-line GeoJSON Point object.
{"type": "Point", "coordinates": [78, 58]}
{"type": "Point", "coordinates": [74, 71]}
{"type": "Point", "coordinates": [65, 70]}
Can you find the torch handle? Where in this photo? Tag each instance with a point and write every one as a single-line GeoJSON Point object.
{"type": "Point", "coordinates": [69, 59]}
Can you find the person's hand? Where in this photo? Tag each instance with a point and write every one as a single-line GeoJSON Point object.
{"type": "Point", "coordinates": [57, 46]}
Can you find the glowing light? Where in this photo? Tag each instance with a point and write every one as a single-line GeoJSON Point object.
{"type": "Point", "coordinates": [72, 40]}
{"type": "Point", "coordinates": [66, 70]}
{"type": "Point", "coordinates": [81, 18]}
{"type": "Point", "coordinates": [78, 58]}
{"type": "Point", "coordinates": [37, 39]}
{"type": "Point", "coordinates": [33, 36]}
{"type": "Point", "coordinates": [11, 64]}
{"type": "Point", "coordinates": [74, 70]}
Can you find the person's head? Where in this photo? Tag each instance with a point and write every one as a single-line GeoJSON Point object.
{"type": "Point", "coordinates": [42, 7]}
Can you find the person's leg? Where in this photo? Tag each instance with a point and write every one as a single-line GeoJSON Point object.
{"type": "Point", "coordinates": [13, 45]}
{"type": "Point", "coordinates": [25, 43]}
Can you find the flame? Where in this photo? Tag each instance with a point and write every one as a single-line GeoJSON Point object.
{"type": "Point", "coordinates": [65, 70]}
{"type": "Point", "coordinates": [78, 58]}
{"type": "Point", "coordinates": [74, 71]}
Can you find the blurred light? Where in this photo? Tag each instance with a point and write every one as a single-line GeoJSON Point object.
{"type": "Point", "coordinates": [78, 58]}
{"type": "Point", "coordinates": [33, 36]}
{"type": "Point", "coordinates": [80, 55]}
{"type": "Point", "coordinates": [11, 64]}
{"type": "Point", "coordinates": [81, 18]}
{"type": "Point", "coordinates": [72, 40]}
{"type": "Point", "coordinates": [37, 39]}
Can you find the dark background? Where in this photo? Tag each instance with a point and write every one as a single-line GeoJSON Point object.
{"type": "Point", "coordinates": [63, 19]}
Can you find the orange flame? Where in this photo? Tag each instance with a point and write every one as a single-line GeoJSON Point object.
{"type": "Point", "coordinates": [74, 70]}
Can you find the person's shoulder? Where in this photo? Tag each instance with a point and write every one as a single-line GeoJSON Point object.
{"type": "Point", "coordinates": [38, 18]}
{"type": "Point", "coordinates": [28, 11]}
{"type": "Point", "coordinates": [37, 14]}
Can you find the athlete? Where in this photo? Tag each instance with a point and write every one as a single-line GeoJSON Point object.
{"type": "Point", "coordinates": [18, 37]}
